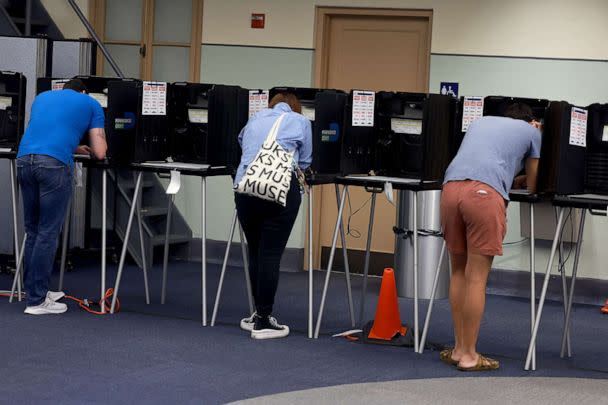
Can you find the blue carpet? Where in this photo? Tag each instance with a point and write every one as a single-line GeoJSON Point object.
{"type": "Point", "coordinates": [161, 353]}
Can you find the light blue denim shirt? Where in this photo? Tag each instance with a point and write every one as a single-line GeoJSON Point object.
{"type": "Point", "coordinates": [295, 134]}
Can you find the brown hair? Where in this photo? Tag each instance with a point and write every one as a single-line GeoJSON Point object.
{"type": "Point", "coordinates": [520, 111]}
{"type": "Point", "coordinates": [288, 98]}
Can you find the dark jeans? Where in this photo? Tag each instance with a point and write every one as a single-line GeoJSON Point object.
{"type": "Point", "coordinates": [267, 226]}
{"type": "Point", "coordinates": [46, 186]}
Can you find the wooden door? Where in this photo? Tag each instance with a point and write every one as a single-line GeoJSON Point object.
{"type": "Point", "coordinates": [368, 49]}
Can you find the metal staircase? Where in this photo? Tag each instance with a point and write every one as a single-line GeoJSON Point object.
{"type": "Point", "coordinates": [26, 17]}
{"type": "Point", "coordinates": [154, 207]}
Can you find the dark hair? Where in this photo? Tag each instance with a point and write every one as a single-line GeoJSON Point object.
{"type": "Point", "coordinates": [76, 85]}
{"type": "Point", "coordinates": [288, 98]}
{"type": "Point", "coordinates": [520, 111]}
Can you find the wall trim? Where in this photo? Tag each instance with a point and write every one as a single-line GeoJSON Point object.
{"type": "Point", "coordinates": [518, 57]}
{"type": "Point", "coordinates": [259, 46]}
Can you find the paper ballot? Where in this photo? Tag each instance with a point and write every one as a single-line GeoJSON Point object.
{"type": "Point", "coordinates": [472, 109]}
{"type": "Point", "coordinates": [198, 115]}
{"type": "Point", "coordinates": [363, 108]}
{"type": "Point", "coordinates": [101, 98]}
{"type": "Point", "coordinates": [154, 100]}
{"type": "Point", "coordinates": [258, 100]}
{"type": "Point", "coordinates": [578, 127]}
{"type": "Point", "coordinates": [308, 112]}
{"type": "Point", "coordinates": [175, 183]}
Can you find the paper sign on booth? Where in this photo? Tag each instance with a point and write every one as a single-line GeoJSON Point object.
{"type": "Point", "coordinates": [578, 127]}
{"type": "Point", "coordinates": [258, 100]}
{"type": "Point", "coordinates": [472, 109]}
{"type": "Point", "coordinates": [154, 100]}
{"type": "Point", "coordinates": [363, 108]}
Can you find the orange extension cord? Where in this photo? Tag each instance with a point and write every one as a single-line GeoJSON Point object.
{"type": "Point", "coordinates": [105, 302]}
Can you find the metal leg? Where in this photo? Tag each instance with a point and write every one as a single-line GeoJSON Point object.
{"type": "Point", "coordinates": [141, 243]}
{"type": "Point", "coordinates": [532, 282]}
{"type": "Point", "coordinates": [579, 243]}
{"type": "Point", "coordinates": [543, 293]}
{"type": "Point", "coordinates": [246, 266]}
{"type": "Point", "coordinates": [18, 267]}
{"type": "Point", "coordinates": [163, 293]}
{"type": "Point", "coordinates": [204, 247]}
{"type": "Point", "coordinates": [349, 291]}
{"type": "Point", "coordinates": [416, 331]}
{"type": "Point", "coordinates": [64, 242]}
{"type": "Point", "coordinates": [224, 265]}
{"type": "Point", "coordinates": [427, 320]}
{"type": "Point", "coordinates": [310, 263]}
{"type": "Point", "coordinates": [14, 198]}
{"type": "Point", "coordinates": [104, 219]}
{"type": "Point", "coordinates": [125, 243]}
{"type": "Point", "coordinates": [368, 248]}
{"type": "Point", "coordinates": [562, 272]}
{"type": "Point", "coordinates": [331, 261]}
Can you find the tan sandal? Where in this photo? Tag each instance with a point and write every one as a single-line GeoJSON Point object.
{"type": "Point", "coordinates": [483, 364]}
{"type": "Point", "coordinates": [446, 357]}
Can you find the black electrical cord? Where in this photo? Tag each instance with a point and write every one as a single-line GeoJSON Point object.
{"type": "Point", "coordinates": [353, 232]}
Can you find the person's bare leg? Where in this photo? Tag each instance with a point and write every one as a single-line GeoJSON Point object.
{"type": "Point", "coordinates": [476, 276]}
{"type": "Point", "coordinates": [457, 294]}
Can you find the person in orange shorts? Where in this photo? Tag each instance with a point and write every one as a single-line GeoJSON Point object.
{"type": "Point", "coordinates": [473, 215]}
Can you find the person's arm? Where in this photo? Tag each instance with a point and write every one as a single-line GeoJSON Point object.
{"type": "Point", "coordinates": [305, 154]}
{"type": "Point", "coordinates": [531, 174]}
{"type": "Point", "coordinates": [99, 146]}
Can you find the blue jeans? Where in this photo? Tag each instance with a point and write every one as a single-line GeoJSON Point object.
{"type": "Point", "coordinates": [46, 187]}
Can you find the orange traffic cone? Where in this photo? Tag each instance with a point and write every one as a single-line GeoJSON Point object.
{"type": "Point", "coordinates": [387, 322]}
{"type": "Point", "coordinates": [604, 309]}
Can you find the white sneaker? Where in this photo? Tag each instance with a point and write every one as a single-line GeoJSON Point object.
{"type": "Point", "coordinates": [55, 295]}
{"type": "Point", "coordinates": [268, 328]}
{"type": "Point", "coordinates": [247, 323]}
{"type": "Point", "coordinates": [47, 307]}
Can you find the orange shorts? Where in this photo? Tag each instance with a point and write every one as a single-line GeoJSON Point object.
{"type": "Point", "coordinates": [473, 216]}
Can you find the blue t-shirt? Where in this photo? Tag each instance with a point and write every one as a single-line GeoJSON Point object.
{"type": "Point", "coordinates": [295, 134]}
{"type": "Point", "coordinates": [493, 151]}
{"type": "Point", "coordinates": [58, 121]}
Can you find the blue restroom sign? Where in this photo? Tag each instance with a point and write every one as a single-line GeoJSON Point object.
{"type": "Point", "coordinates": [449, 88]}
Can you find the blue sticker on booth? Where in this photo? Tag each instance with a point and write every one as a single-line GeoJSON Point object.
{"type": "Point", "coordinates": [332, 134]}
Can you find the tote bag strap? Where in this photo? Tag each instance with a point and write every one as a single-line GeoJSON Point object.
{"type": "Point", "coordinates": [272, 134]}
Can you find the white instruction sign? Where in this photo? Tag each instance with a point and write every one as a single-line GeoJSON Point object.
{"type": "Point", "coordinates": [154, 100]}
{"type": "Point", "coordinates": [57, 84]}
{"type": "Point", "coordinates": [578, 127]}
{"type": "Point", "coordinates": [472, 109]}
{"type": "Point", "coordinates": [101, 98]}
{"type": "Point", "coordinates": [258, 100]}
{"type": "Point", "coordinates": [406, 126]}
{"type": "Point", "coordinates": [5, 102]}
{"type": "Point", "coordinates": [605, 134]}
{"type": "Point", "coordinates": [198, 115]}
{"type": "Point", "coordinates": [308, 112]}
{"type": "Point", "coordinates": [363, 108]}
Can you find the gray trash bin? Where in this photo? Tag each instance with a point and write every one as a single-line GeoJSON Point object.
{"type": "Point", "coordinates": [429, 246]}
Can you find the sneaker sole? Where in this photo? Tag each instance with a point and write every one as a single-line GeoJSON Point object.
{"type": "Point", "coordinates": [269, 334]}
{"type": "Point", "coordinates": [44, 312]}
{"type": "Point", "coordinates": [247, 326]}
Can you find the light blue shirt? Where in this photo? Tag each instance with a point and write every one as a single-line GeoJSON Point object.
{"type": "Point", "coordinates": [493, 151]}
{"type": "Point", "coordinates": [295, 134]}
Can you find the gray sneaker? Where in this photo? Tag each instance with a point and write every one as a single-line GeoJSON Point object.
{"type": "Point", "coordinates": [55, 295]}
{"type": "Point", "coordinates": [47, 307]}
{"type": "Point", "coordinates": [247, 323]}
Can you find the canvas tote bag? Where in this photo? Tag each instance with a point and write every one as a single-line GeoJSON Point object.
{"type": "Point", "coordinates": [268, 176]}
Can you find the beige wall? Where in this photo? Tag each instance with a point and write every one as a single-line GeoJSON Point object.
{"type": "Point", "coordinates": [65, 18]}
{"type": "Point", "coordinates": [534, 28]}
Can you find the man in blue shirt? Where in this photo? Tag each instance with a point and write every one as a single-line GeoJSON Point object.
{"type": "Point", "coordinates": [58, 121]}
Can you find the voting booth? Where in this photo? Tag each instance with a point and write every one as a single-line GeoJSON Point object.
{"type": "Point", "coordinates": [596, 165]}
{"type": "Point", "coordinates": [359, 143]}
{"type": "Point", "coordinates": [12, 109]}
{"type": "Point", "coordinates": [325, 109]}
{"type": "Point", "coordinates": [137, 122]}
{"type": "Point", "coordinates": [189, 112]}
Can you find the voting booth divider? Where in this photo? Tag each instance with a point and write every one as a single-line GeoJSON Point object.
{"type": "Point", "coordinates": [12, 108]}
